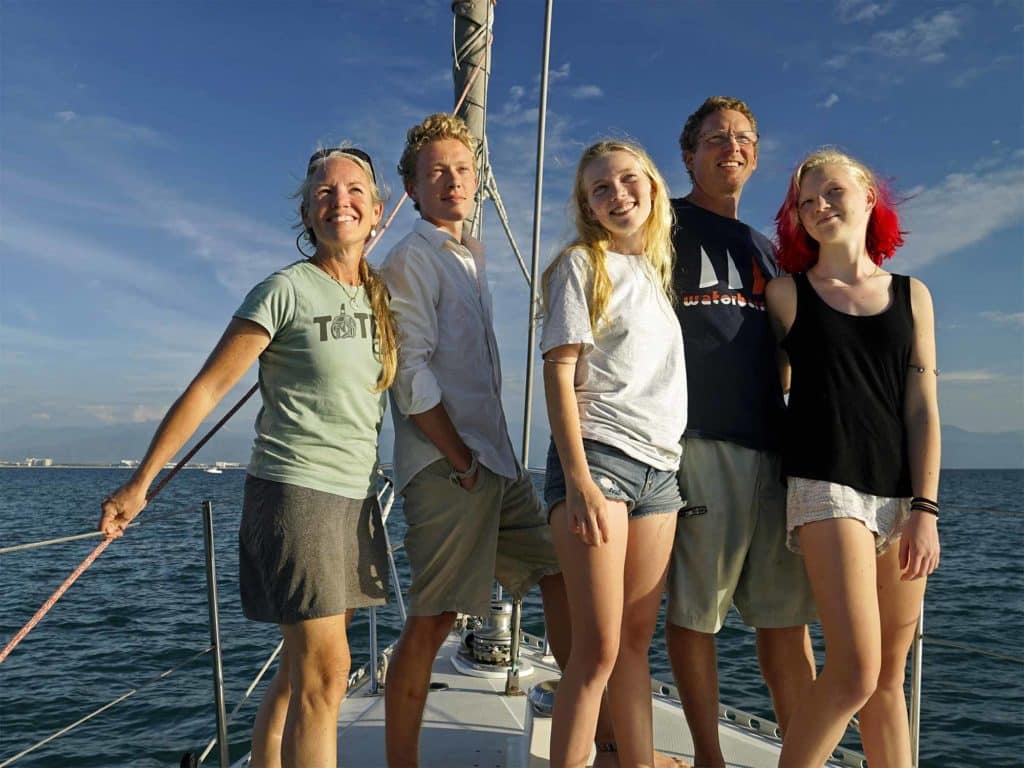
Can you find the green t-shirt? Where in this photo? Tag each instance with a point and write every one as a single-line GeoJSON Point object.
{"type": "Point", "coordinates": [319, 423]}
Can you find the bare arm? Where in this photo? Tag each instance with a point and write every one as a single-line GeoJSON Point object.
{"type": "Point", "coordinates": [240, 346]}
{"type": "Point", "coordinates": [780, 295]}
{"type": "Point", "coordinates": [919, 547]}
{"type": "Point", "coordinates": [584, 501]}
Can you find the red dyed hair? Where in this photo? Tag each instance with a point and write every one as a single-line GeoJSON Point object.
{"type": "Point", "coordinates": [798, 251]}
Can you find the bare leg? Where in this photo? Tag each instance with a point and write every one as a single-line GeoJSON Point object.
{"type": "Point", "coordinates": [840, 559]}
{"type": "Point", "coordinates": [629, 687]}
{"type": "Point", "coordinates": [556, 617]}
{"type": "Point", "coordinates": [694, 662]}
{"type": "Point", "coordinates": [268, 727]}
{"type": "Point", "coordinates": [405, 691]}
{"type": "Point", "coordinates": [605, 735]}
{"type": "Point", "coordinates": [787, 665]}
{"type": "Point", "coordinates": [593, 583]}
{"type": "Point", "coordinates": [318, 667]}
{"type": "Point", "coordinates": [884, 726]}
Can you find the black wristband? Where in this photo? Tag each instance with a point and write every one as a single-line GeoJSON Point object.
{"type": "Point", "coordinates": [921, 504]}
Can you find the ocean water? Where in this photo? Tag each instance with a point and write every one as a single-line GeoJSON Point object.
{"type": "Point", "coordinates": [141, 609]}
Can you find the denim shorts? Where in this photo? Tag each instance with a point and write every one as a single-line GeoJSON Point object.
{"type": "Point", "coordinates": [646, 490]}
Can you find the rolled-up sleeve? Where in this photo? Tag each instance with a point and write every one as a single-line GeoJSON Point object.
{"type": "Point", "coordinates": [414, 288]}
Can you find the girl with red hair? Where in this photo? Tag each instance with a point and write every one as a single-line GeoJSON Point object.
{"type": "Point", "coordinates": [861, 451]}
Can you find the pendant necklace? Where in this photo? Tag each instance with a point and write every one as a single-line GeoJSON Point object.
{"type": "Point", "coordinates": [344, 288]}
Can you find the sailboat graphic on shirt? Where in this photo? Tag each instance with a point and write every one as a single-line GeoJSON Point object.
{"type": "Point", "coordinates": [709, 278]}
{"type": "Point", "coordinates": [733, 292]}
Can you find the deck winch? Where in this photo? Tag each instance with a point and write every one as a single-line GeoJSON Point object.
{"type": "Point", "coordinates": [492, 643]}
{"type": "Point", "coordinates": [486, 648]}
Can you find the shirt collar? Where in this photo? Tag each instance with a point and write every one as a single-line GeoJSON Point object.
{"type": "Point", "coordinates": [442, 240]}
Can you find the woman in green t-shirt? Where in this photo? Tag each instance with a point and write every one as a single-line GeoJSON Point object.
{"type": "Point", "coordinates": [311, 543]}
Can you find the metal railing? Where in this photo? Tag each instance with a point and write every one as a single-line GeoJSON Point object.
{"type": "Point", "coordinates": [373, 672]}
{"type": "Point", "coordinates": [378, 660]}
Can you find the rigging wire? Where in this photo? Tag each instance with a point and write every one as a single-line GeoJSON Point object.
{"type": "Point", "coordinates": [153, 680]}
{"type": "Point", "coordinates": [93, 534]}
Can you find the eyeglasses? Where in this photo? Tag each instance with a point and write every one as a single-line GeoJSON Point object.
{"type": "Point", "coordinates": [322, 154]}
{"type": "Point", "coordinates": [723, 138]}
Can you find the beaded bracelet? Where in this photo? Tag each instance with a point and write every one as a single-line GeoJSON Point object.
{"type": "Point", "coordinates": [921, 504]}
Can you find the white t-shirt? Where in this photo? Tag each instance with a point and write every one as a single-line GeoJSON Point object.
{"type": "Point", "coordinates": [631, 380]}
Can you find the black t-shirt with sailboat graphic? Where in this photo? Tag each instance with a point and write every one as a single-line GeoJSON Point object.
{"type": "Point", "coordinates": [722, 266]}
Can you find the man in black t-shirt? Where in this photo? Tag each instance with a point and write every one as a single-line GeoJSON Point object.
{"type": "Point", "coordinates": [730, 541]}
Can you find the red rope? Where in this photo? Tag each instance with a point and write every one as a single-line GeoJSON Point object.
{"type": "Point", "coordinates": [52, 599]}
{"type": "Point", "coordinates": [45, 607]}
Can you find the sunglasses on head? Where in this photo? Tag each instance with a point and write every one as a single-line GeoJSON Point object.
{"type": "Point", "coordinates": [322, 154]}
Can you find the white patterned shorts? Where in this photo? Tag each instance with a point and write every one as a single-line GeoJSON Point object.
{"type": "Point", "coordinates": [808, 501]}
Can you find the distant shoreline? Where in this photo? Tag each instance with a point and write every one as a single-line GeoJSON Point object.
{"type": "Point", "coordinates": [5, 465]}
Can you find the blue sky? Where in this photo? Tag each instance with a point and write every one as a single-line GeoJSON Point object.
{"type": "Point", "coordinates": [148, 151]}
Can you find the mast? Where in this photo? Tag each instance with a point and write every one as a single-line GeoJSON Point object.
{"type": "Point", "coordinates": [472, 50]}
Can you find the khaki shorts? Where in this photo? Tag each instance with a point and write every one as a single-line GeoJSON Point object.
{"type": "Point", "coordinates": [459, 541]}
{"type": "Point", "coordinates": [730, 546]}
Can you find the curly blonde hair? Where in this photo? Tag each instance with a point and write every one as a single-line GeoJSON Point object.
{"type": "Point", "coordinates": [595, 240]}
{"type": "Point", "coordinates": [434, 128]}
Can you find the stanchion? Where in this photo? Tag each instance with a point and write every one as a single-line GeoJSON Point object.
{"type": "Point", "coordinates": [218, 668]}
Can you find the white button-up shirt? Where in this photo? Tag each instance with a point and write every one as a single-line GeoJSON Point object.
{"type": "Point", "coordinates": [447, 350]}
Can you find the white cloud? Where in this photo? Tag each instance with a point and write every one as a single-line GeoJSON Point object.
{"type": "Point", "coordinates": [968, 75]}
{"type": "Point", "coordinates": [587, 92]}
{"type": "Point", "coordinates": [830, 101]}
{"type": "Point", "coordinates": [962, 209]}
{"type": "Point", "coordinates": [1005, 318]}
{"type": "Point", "coordinates": [102, 413]}
{"type": "Point", "coordinates": [924, 38]}
{"type": "Point", "coordinates": [980, 376]}
{"type": "Point", "coordinates": [560, 73]}
{"type": "Point", "coordinates": [850, 11]}
{"type": "Point", "coordinates": [143, 413]}
{"type": "Point", "coordinates": [75, 127]}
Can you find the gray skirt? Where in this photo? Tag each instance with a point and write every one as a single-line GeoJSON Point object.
{"type": "Point", "coordinates": [305, 554]}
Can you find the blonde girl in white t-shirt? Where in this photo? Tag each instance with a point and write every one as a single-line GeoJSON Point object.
{"type": "Point", "coordinates": [615, 385]}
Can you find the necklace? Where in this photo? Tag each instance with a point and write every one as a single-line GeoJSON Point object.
{"type": "Point", "coordinates": [344, 287]}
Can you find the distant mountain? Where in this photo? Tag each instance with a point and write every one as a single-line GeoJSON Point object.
{"type": "Point", "coordinates": [982, 450]}
{"type": "Point", "coordinates": [109, 444]}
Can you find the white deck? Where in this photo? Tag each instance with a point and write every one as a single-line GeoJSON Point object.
{"type": "Point", "coordinates": [470, 723]}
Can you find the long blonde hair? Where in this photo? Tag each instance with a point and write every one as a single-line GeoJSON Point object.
{"type": "Point", "coordinates": [594, 240]}
{"type": "Point", "coordinates": [376, 290]}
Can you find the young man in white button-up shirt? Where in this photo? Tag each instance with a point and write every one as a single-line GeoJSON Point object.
{"type": "Point", "coordinates": [471, 509]}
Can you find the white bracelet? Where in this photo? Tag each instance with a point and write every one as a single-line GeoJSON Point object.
{"type": "Point", "coordinates": [457, 477]}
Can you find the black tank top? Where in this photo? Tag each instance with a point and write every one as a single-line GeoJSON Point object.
{"type": "Point", "coordinates": [844, 422]}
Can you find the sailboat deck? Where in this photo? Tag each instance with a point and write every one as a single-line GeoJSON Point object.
{"type": "Point", "coordinates": [468, 722]}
